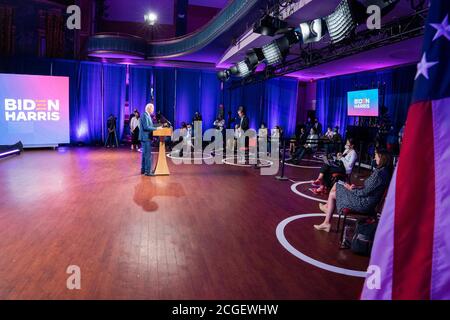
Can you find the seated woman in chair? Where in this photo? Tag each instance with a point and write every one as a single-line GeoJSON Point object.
{"type": "Point", "coordinates": [362, 200]}
{"type": "Point", "coordinates": [343, 165]}
{"type": "Point", "coordinates": [309, 147]}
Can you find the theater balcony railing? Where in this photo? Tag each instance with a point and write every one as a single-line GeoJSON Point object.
{"type": "Point", "coordinates": [115, 45]}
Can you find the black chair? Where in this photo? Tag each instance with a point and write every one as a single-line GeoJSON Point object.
{"type": "Point", "coordinates": [347, 212]}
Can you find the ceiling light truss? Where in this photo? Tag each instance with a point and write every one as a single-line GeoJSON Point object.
{"type": "Point", "coordinates": [407, 27]}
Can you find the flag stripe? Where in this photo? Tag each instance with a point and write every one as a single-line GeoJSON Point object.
{"type": "Point", "coordinates": [440, 276]}
{"type": "Point", "coordinates": [414, 208]}
{"type": "Point", "coordinates": [383, 249]}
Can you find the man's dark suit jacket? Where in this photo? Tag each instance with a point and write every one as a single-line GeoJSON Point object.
{"type": "Point", "coordinates": [244, 123]}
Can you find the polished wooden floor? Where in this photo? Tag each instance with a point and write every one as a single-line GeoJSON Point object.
{"type": "Point", "coordinates": [204, 232]}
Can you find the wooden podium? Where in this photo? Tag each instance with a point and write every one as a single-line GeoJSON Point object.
{"type": "Point", "coordinates": [161, 166]}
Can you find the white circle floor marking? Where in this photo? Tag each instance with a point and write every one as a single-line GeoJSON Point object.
{"type": "Point", "coordinates": [189, 158]}
{"type": "Point", "coordinates": [283, 241]}
{"type": "Point", "coordinates": [301, 194]}
{"type": "Point", "coordinates": [227, 161]}
{"type": "Point", "coordinates": [313, 160]}
{"type": "Point", "coordinates": [319, 155]}
{"type": "Point", "coordinates": [299, 166]}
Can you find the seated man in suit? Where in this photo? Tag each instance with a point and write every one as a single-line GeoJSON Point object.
{"type": "Point", "coordinates": [146, 128]}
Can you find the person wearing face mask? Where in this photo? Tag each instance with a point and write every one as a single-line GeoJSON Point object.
{"type": "Point", "coordinates": [344, 164]}
{"type": "Point", "coordinates": [363, 200]}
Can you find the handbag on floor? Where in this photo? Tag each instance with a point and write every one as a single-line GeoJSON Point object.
{"type": "Point", "coordinates": [364, 236]}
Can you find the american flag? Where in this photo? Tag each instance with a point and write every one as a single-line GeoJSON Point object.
{"type": "Point", "coordinates": [412, 243]}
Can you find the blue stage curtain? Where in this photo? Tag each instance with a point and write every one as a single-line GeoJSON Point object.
{"type": "Point", "coordinates": [70, 69]}
{"type": "Point", "coordinates": [164, 86]}
{"type": "Point", "coordinates": [281, 104]}
{"type": "Point", "coordinates": [178, 93]}
{"type": "Point", "coordinates": [253, 102]}
{"type": "Point", "coordinates": [114, 95]}
{"type": "Point", "coordinates": [273, 102]}
{"type": "Point", "coordinates": [140, 87]}
{"type": "Point", "coordinates": [398, 99]}
{"type": "Point", "coordinates": [331, 95]}
{"type": "Point", "coordinates": [209, 98]}
{"type": "Point", "coordinates": [89, 117]}
{"type": "Point", "coordinates": [188, 93]}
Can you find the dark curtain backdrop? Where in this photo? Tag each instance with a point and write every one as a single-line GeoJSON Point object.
{"type": "Point", "coordinates": [139, 87]}
{"type": "Point", "coordinates": [164, 86]}
{"type": "Point", "coordinates": [209, 97]}
{"type": "Point", "coordinates": [273, 102]}
{"type": "Point", "coordinates": [178, 93]}
{"type": "Point", "coordinates": [188, 93]}
{"type": "Point", "coordinates": [114, 92]}
{"type": "Point", "coordinates": [70, 69]}
{"type": "Point", "coordinates": [331, 108]}
{"type": "Point", "coordinates": [88, 125]}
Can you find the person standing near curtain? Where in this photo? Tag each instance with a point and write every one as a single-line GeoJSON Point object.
{"type": "Point", "coordinates": [318, 126]}
{"type": "Point", "coordinates": [243, 127]}
{"type": "Point", "coordinates": [134, 127]}
{"type": "Point", "coordinates": [146, 128]}
{"type": "Point", "coordinates": [243, 120]}
{"type": "Point", "coordinates": [111, 126]}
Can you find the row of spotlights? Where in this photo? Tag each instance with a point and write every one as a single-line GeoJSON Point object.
{"type": "Point", "coordinates": [338, 24]}
{"type": "Point", "coordinates": [271, 53]}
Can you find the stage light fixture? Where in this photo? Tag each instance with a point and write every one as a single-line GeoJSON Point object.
{"type": "Point", "coordinates": [254, 57]}
{"type": "Point", "coordinates": [272, 53]}
{"type": "Point", "coordinates": [151, 18]}
{"type": "Point", "coordinates": [243, 68]}
{"type": "Point", "coordinates": [223, 75]}
{"type": "Point", "coordinates": [268, 26]}
{"type": "Point", "coordinates": [234, 70]}
{"type": "Point", "coordinates": [312, 31]}
{"type": "Point", "coordinates": [275, 51]}
{"type": "Point", "coordinates": [341, 22]}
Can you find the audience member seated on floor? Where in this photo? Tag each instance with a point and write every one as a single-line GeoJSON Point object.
{"type": "Point", "coordinates": [343, 165]}
{"type": "Point", "coordinates": [362, 200]}
{"type": "Point", "coordinates": [309, 147]}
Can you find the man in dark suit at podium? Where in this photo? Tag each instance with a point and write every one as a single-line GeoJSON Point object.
{"type": "Point", "coordinates": [146, 128]}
